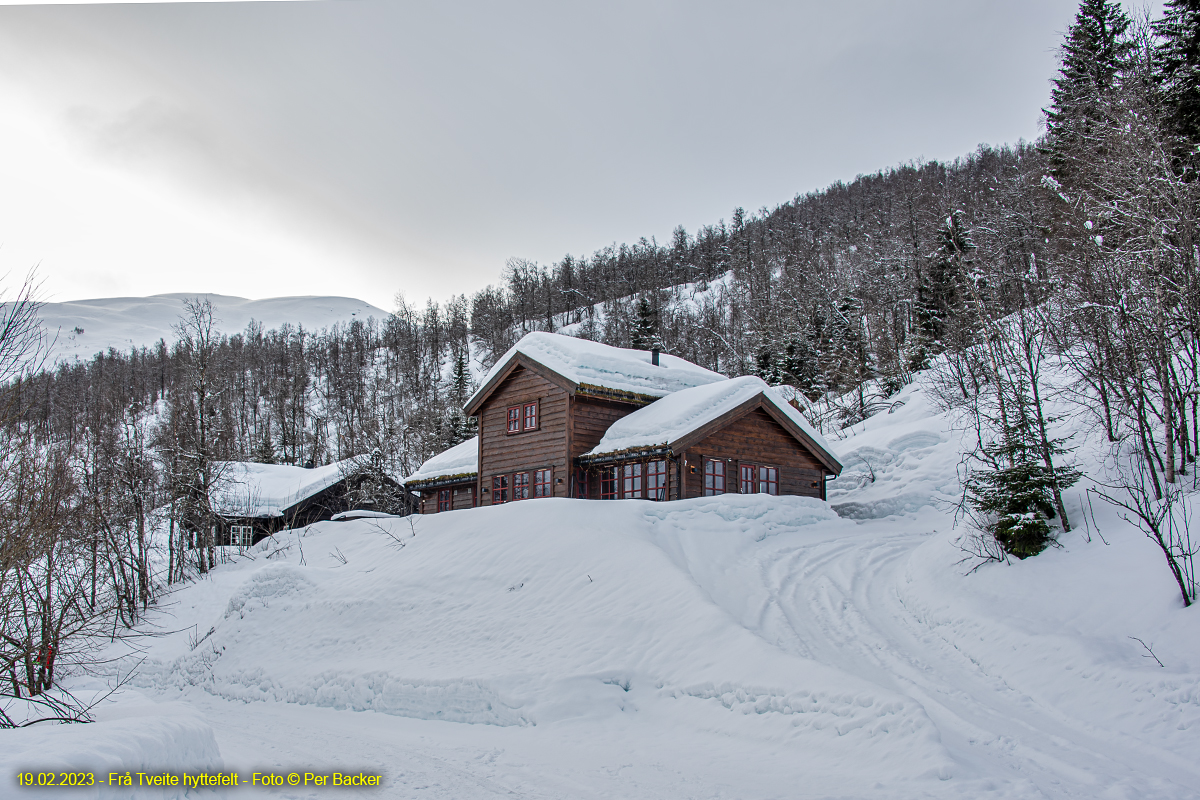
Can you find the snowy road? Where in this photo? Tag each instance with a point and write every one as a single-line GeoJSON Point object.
{"type": "Point", "coordinates": [854, 603]}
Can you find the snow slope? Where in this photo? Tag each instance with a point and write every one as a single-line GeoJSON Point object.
{"type": "Point", "coordinates": [737, 646]}
{"type": "Point", "coordinates": [87, 327]}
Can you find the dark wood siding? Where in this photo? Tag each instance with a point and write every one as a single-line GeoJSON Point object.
{"type": "Point", "coordinates": [505, 453]}
{"type": "Point", "coordinates": [591, 419]}
{"type": "Point", "coordinates": [757, 439]}
{"type": "Point", "coordinates": [461, 495]}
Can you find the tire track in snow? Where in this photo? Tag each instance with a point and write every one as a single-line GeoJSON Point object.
{"type": "Point", "coordinates": [841, 602]}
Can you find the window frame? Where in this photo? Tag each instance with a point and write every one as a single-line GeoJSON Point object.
{"type": "Point", "coordinates": [633, 480]}
{"type": "Point", "coordinates": [520, 486]}
{"type": "Point", "coordinates": [236, 532]}
{"type": "Point", "coordinates": [765, 479]}
{"type": "Point", "coordinates": [747, 477]}
{"type": "Point", "coordinates": [525, 415]}
{"type": "Point", "coordinates": [609, 483]}
{"type": "Point", "coordinates": [548, 483]}
{"type": "Point", "coordinates": [762, 478]}
{"type": "Point", "coordinates": [651, 477]}
{"type": "Point", "coordinates": [711, 490]}
{"type": "Point", "coordinates": [444, 503]}
{"type": "Point", "coordinates": [512, 423]}
{"type": "Point", "coordinates": [500, 489]}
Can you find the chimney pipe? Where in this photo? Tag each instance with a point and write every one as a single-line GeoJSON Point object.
{"type": "Point", "coordinates": [654, 356]}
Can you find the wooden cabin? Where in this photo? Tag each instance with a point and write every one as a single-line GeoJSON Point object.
{"type": "Point", "coordinates": [551, 414]}
{"type": "Point", "coordinates": [256, 500]}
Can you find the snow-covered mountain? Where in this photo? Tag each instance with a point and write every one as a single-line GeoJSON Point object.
{"type": "Point", "coordinates": [733, 646]}
{"type": "Point", "coordinates": [86, 327]}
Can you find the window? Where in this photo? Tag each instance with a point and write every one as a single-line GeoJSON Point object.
{"type": "Point", "coordinates": [520, 486]}
{"type": "Point", "coordinates": [531, 416]}
{"type": "Point", "coordinates": [541, 483]}
{"type": "Point", "coordinates": [656, 480]}
{"type": "Point", "coordinates": [714, 477]}
{"type": "Point", "coordinates": [768, 480]}
{"type": "Point", "coordinates": [581, 484]}
{"type": "Point", "coordinates": [757, 479]}
{"type": "Point", "coordinates": [514, 419]}
{"type": "Point", "coordinates": [749, 478]}
{"type": "Point", "coordinates": [499, 489]}
{"type": "Point", "coordinates": [631, 483]}
{"type": "Point", "coordinates": [608, 483]}
{"type": "Point", "coordinates": [444, 500]}
{"type": "Point", "coordinates": [241, 535]}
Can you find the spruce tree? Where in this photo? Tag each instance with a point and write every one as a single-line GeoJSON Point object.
{"type": "Point", "coordinates": [264, 449]}
{"type": "Point", "coordinates": [460, 378]}
{"type": "Point", "coordinates": [1095, 51]}
{"type": "Point", "coordinates": [1178, 65]}
{"type": "Point", "coordinates": [645, 328]}
{"type": "Point", "coordinates": [941, 295]}
{"type": "Point", "coordinates": [1016, 496]}
{"type": "Point", "coordinates": [799, 366]}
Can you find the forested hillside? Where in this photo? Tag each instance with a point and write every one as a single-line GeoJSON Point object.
{"type": "Point", "coordinates": [1076, 252]}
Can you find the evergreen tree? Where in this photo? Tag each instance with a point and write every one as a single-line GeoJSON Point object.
{"type": "Point", "coordinates": [1016, 495]}
{"type": "Point", "coordinates": [460, 378]}
{"type": "Point", "coordinates": [1178, 65]}
{"type": "Point", "coordinates": [264, 450]}
{"type": "Point", "coordinates": [941, 294]}
{"type": "Point", "coordinates": [1096, 49]}
{"type": "Point", "coordinates": [767, 363]}
{"type": "Point", "coordinates": [799, 366]}
{"type": "Point", "coordinates": [645, 327]}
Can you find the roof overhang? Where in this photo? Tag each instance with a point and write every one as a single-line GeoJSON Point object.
{"type": "Point", "coordinates": [442, 482]}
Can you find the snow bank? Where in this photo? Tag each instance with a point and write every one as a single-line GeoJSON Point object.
{"type": "Point", "coordinates": [462, 459]}
{"type": "Point", "coordinates": [130, 735]}
{"type": "Point", "coordinates": [531, 614]}
{"type": "Point", "coordinates": [676, 415]}
{"type": "Point", "coordinates": [586, 362]}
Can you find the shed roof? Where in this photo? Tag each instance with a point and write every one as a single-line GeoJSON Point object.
{"type": "Point", "coordinates": [584, 362]}
{"type": "Point", "coordinates": [462, 459]}
{"type": "Point", "coordinates": [250, 489]}
{"type": "Point", "coordinates": [671, 421]}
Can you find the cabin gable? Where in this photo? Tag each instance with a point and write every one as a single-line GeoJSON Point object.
{"type": "Point", "coordinates": [754, 438]}
{"type": "Point", "coordinates": [524, 451]}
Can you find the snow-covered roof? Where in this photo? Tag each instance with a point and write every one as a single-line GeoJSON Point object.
{"type": "Point", "coordinates": [583, 361]}
{"type": "Point", "coordinates": [462, 459]}
{"type": "Point", "coordinates": [250, 489]}
{"type": "Point", "coordinates": [672, 418]}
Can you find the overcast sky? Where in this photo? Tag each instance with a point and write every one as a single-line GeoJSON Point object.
{"type": "Point", "coordinates": [366, 147]}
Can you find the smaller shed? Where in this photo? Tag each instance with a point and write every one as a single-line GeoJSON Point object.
{"type": "Point", "coordinates": [448, 481]}
{"type": "Point", "coordinates": [256, 500]}
{"type": "Point", "coordinates": [735, 436]}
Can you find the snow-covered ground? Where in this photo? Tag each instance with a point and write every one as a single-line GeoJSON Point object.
{"type": "Point", "coordinates": [86, 327]}
{"type": "Point", "coordinates": [738, 646]}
